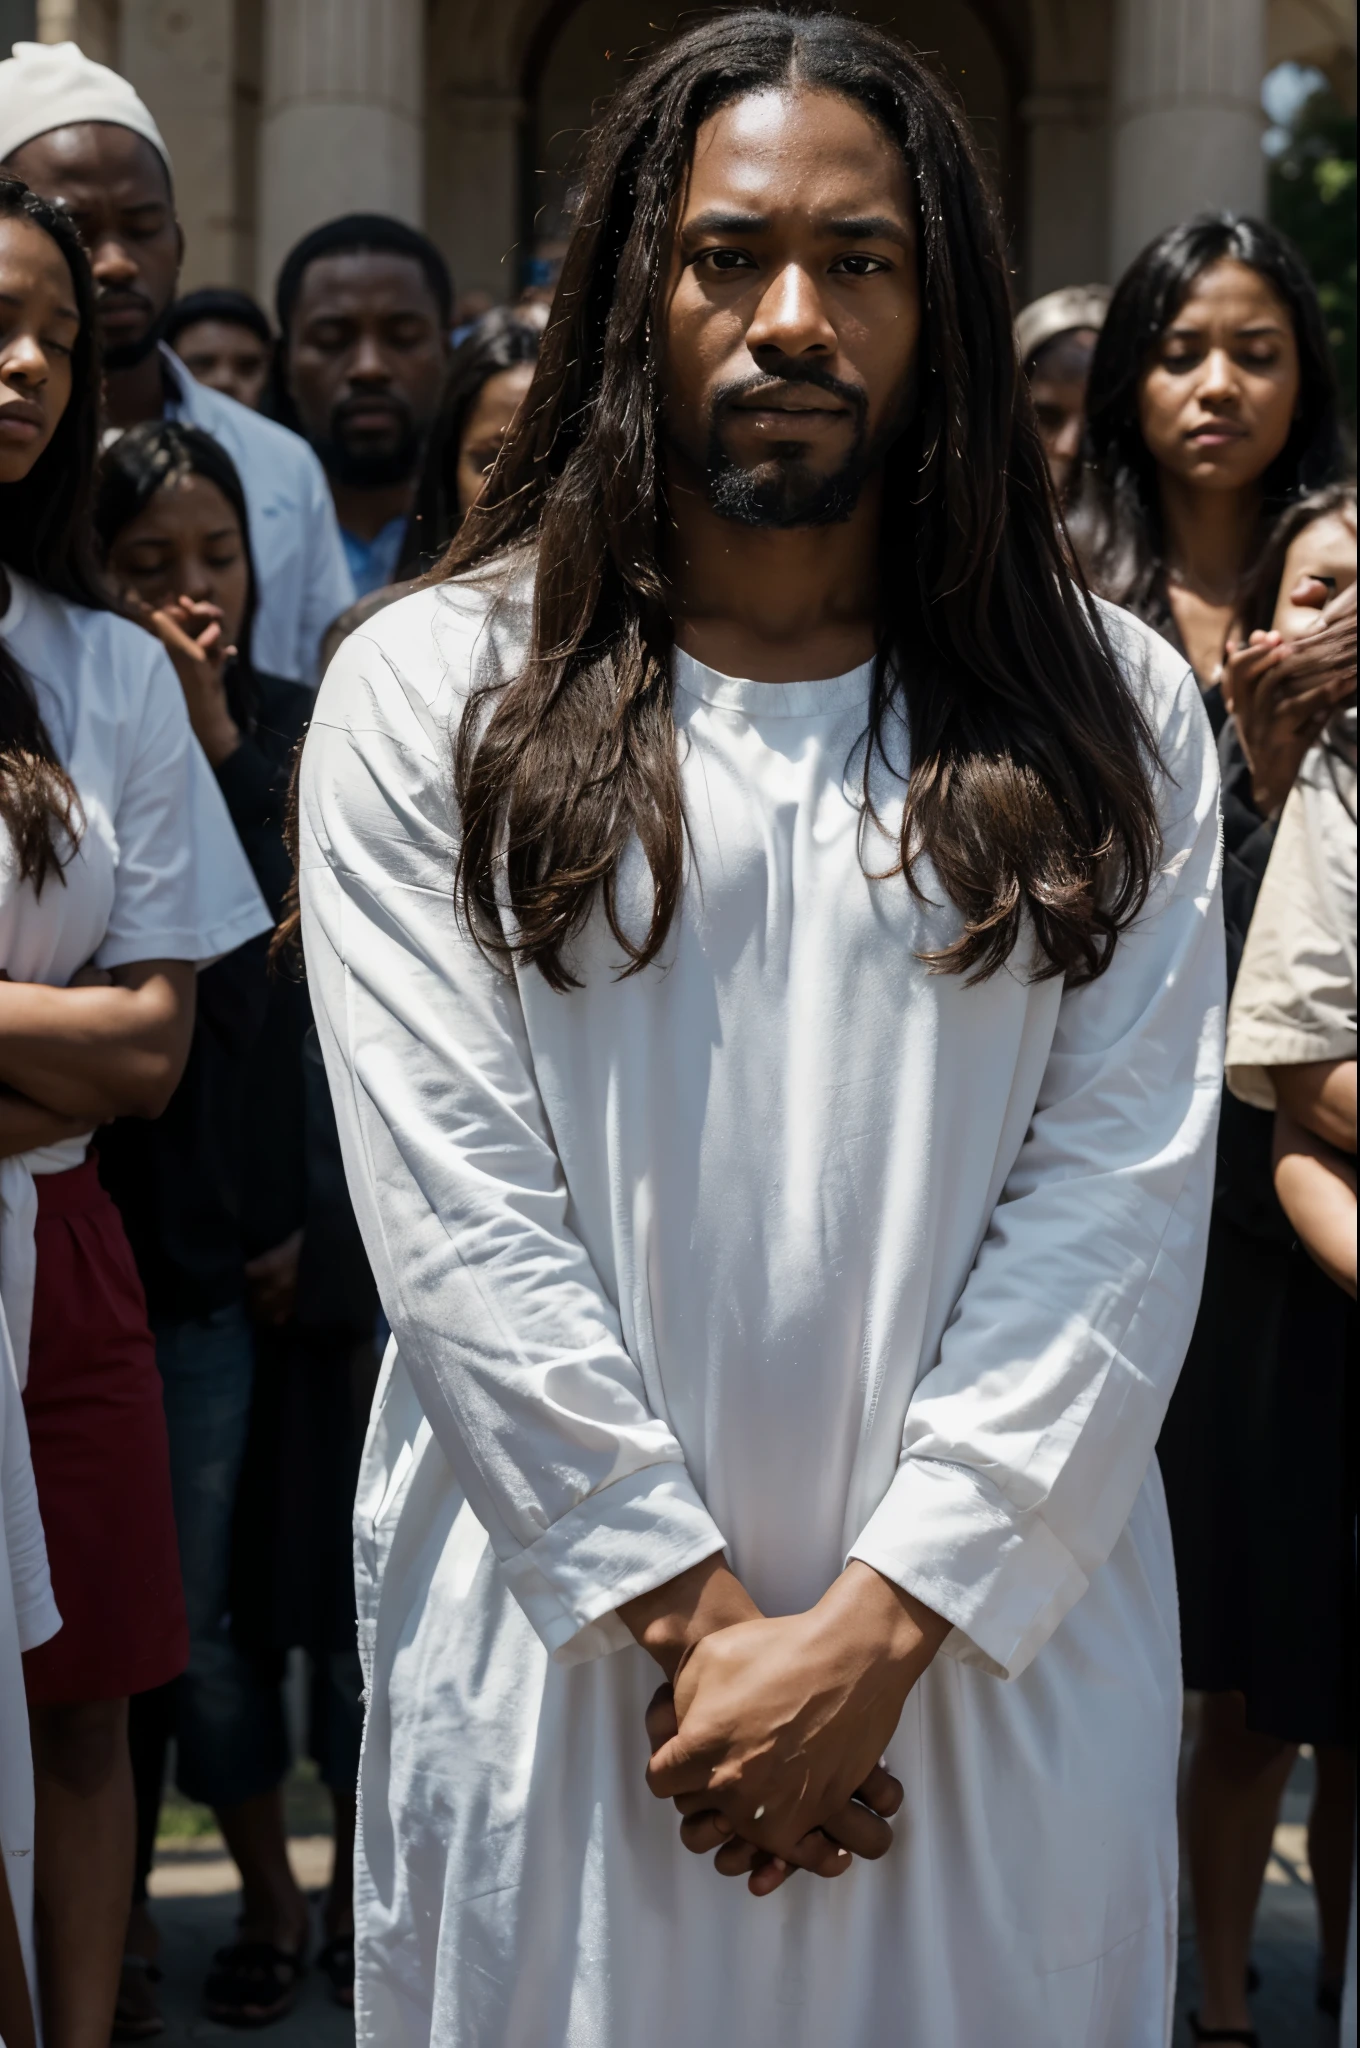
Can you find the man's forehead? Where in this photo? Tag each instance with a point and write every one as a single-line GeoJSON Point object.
{"type": "Point", "coordinates": [96, 156]}
{"type": "Point", "coordinates": [814, 152]}
{"type": "Point", "coordinates": [354, 280]}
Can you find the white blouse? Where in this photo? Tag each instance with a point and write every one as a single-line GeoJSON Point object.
{"type": "Point", "coordinates": [158, 875]}
{"type": "Point", "coordinates": [787, 1247]}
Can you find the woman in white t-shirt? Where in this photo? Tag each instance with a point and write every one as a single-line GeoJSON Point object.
{"type": "Point", "coordinates": [119, 872]}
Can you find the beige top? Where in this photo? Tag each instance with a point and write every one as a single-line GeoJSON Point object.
{"type": "Point", "coordinates": [1295, 999]}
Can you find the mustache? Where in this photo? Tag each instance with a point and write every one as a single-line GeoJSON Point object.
{"type": "Point", "coordinates": [115, 298]}
{"type": "Point", "coordinates": [771, 384]}
{"type": "Point", "coordinates": [380, 401]}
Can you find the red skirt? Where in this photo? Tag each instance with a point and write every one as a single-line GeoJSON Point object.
{"type": "Point", "coordinates": [96, 1423]}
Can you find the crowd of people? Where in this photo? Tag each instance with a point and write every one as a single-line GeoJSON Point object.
{"type": "Point", "coordinates": [216, 1204]}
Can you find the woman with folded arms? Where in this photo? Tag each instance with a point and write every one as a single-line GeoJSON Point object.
{"type": "Point", "coordinates": [119, 872]}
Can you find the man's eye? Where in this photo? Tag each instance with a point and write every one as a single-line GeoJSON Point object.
{"type": "Point", "coordinates": [726, 259]}
{"type": "Point", "coordinates": [859, 266]}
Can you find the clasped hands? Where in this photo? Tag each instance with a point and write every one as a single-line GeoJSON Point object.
{"type": "Point", "coordinates": [770, 1730]}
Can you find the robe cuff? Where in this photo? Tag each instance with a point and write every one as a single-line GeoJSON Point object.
{"type": "Point", "coordinates": [622, 1541]}
{"type": "Point", "coordinates": [945, 1534]}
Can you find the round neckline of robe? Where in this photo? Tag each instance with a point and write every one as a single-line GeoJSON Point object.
{"type": "Point", "coordinates": [771, 700]}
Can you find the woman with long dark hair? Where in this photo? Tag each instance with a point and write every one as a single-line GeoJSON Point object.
{"type": "Point", "coordinates": [1211, 412]}
{"type": "Point", "coordinates": [235, 1243]}
{"type": "Point", "coordinates": [776, 1059]}
{"type": "Point", "coordinates": [489, 379]}
{"type": "Point", "coordinates": [1211, 403]}
{"type": "Point", "coordinates": [122, 872]}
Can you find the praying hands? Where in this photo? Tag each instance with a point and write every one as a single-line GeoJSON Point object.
{"type": "Point", "coordinates": [770, 1732]}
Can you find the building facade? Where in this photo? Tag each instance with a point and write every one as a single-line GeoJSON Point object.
{"type": "Point", "coordinates": [1104, 119]}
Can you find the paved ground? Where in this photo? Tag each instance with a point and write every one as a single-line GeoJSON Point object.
{"type": "Point", "coordinates": [194, 1888]}
{"type": "Point", "coordinates": [196, 1902]}
{"type": "Point", "coordinates": [1286, 1938]}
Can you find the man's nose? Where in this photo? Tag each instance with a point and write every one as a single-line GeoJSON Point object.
{"type": "Point", "coordinates": [368, 364]}
{"type": "Point", "coordinates": [791, 319]}
{"type": "Point", "coordinates": [112, 263]}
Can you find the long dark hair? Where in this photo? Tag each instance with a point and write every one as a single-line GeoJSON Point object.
{"type": "Point", "coordinates": [502, 340]}
{"type": "Point", "coordinates": [45, 535]}
{"type": "Point", "coordinates": [1116, 521]}
{"type": "Point", "coordinates": [149, 459]}
{"type": "Point", "coordinates": [1030, 787]}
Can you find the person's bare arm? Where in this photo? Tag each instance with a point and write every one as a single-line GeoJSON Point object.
{"type": "Point", "coordinates": [1320, 1097]}
{"type": "Point", "coordinates": [93, 1053]}
{"type": "Point", "coordinates": [25, 1126]}
{"type": "Point", "coordinates": [1316, 1189]}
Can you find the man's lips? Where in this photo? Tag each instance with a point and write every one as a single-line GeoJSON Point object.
{"type": "Point", "coordinates": [796, 403]}
{"type": "Point", "coordinates": [370, 415]}
{"type": "Point", "coordinates": [123, 312]}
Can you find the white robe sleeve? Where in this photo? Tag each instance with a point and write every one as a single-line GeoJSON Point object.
{"type": "Point", "coordinates": [1025, 1446]}
{"type": "Point", "coordinates": [500, 1317]}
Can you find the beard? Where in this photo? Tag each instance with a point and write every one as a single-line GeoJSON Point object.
{"type": "Point", "coordinates": [126, 355]}
{"type": "Point", "coordinates": [783, 490]}
{"type": "Point", "coordinates": [369, 468]}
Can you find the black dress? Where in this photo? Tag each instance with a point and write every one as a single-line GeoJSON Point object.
{"type": "Point", "coordinates": [1256, 1451]}
{"type": "Point", "coordinates": [292, 1566]}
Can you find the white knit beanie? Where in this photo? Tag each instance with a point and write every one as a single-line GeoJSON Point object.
{"type": "Point", "coordinates": [55, 85]}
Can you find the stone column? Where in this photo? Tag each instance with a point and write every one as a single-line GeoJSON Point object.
{"type": "Point", "coordinates": [182, 64]}
{"type": "Point", "coordinates": [1187, 114]}
{"type": "Point", "coordinates": [473, 171]}
{"type": "Point", "coordinates": [1068, 187]}
{"type": "Point", "coordinates": [341, 128]}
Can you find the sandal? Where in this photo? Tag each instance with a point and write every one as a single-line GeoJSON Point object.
{"type": "Point", "coordinates": [252, 1983]}
{"type": "Point", "coordinates": [337, 1960]}
{"type": "Point", "coordinates": [136, 2017]}
{"type": "Point", "coordinates": [1246, 2037]}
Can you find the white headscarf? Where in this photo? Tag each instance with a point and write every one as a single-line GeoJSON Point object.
{"type": "Point", "coordinates": [55, 85]}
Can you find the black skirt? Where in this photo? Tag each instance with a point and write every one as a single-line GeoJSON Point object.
{"type": "Point", "coordinates": [1258, 1458]}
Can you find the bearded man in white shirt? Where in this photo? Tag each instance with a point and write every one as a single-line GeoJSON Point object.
{"type": "Point", "coordinates": [763, 924]}
{"type": "Point", "coordinates": [78, 134]}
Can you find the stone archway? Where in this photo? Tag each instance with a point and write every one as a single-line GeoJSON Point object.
{"type": "Point", "coordinates": [510, 90]}
{"type": "Point", "coordinates": [576, 53]}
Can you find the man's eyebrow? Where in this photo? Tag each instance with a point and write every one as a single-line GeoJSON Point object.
{"type": "Point", "coordinates": [868, 227]}
{"type": "Point", "coordinates": [860, 227]}
{"type": "Point", "coordinates": [718, 222]}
